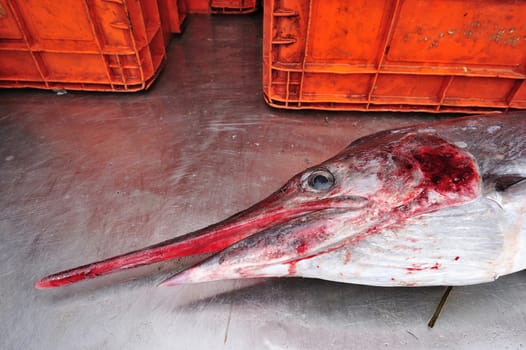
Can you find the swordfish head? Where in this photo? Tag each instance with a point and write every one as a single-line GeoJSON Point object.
{"type": "Point", "coordinates": [376, 182]}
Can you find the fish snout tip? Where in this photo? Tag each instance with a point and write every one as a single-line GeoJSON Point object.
{"type": "Point", "coordinates": [43, 284]}
{"type": "Point", "coordinates": [39, 285]}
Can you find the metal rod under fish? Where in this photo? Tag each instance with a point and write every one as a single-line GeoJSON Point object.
{"type": "Point", "coordinates": [439, 308]}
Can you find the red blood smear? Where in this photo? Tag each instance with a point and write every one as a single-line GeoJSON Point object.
{"type": "Point", "coordinates": [302, 248]}
{"type": "Point", "coordinates": [347, 258]}
{"type": "Point", "coordinates": [415, 268]}
{"type": "Point", "coordinates": [446, 169]}
{"type": "Point", "coordinates": [292, 267]}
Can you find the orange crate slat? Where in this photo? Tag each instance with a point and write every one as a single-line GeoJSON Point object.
{"type": "Point", "coordinates": [437, 56]}
{"type": "Point", "coordinates": [97, 45]}
{"type": "Point", "coordinates": [173, 13]}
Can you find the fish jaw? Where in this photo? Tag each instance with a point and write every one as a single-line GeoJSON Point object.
{"type": "Point", "coordinates": [273, 248]}
{"type": "Point", "coordinates": [441, 176]}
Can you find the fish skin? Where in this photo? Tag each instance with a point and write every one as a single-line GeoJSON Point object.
{"type": "Point", "coordinates": [403, 207]}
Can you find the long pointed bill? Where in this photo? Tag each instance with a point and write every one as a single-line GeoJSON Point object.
{"type": "Point", "coordinates": [271, 211]}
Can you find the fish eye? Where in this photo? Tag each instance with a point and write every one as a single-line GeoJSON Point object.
{"type": "Point", "coordinates": [320, 180]}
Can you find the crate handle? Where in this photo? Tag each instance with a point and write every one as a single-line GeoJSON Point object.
{"type": "Point", "coordinates": [120, 25]}
{"type": "Point", "coordinates": [283, 41]}
{"type": "Point", "coordinates": [284, 13]}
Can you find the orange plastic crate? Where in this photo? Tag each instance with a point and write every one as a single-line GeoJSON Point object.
{"type": "Point", "coordinates": [233, 6]}
{"type": "Point", "coordinates": [407, 55]}
{"type": "Point", "coordinates": [222, 6]}
{"type": "Point", "coordinates": [100, 45]}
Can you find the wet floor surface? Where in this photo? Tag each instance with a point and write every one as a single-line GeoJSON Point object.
{"type": "Point", "coordinates": [84, 176]}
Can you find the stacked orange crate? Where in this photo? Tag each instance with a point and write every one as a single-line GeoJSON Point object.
{"type": "Point", "coordinates": [233, 6]}
{"type": "Point", "coordinates": [404, 55]}
{"type": "Point", "coordinates": [222, 6]}
{"type": "Point", "coordinates": [100, 45]}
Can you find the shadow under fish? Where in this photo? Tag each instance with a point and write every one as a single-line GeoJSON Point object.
{"type": "Point", "coordinates": [441, 203]}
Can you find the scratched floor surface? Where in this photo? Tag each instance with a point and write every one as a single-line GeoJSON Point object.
{"type": "Point", "coordinates": [86, 176]}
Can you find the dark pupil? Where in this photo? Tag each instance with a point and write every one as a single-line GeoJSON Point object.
{"type": "Point", "coordinates": [321, 182]}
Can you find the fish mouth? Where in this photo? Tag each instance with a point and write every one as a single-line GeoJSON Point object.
{"type": "Point", "coordinates": [275, 210]}
{"type": "Point", "coordinates": [272, 252]}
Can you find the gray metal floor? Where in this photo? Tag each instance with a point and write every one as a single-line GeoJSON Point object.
{"type": "Point", "coordinates": [86, 176]}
